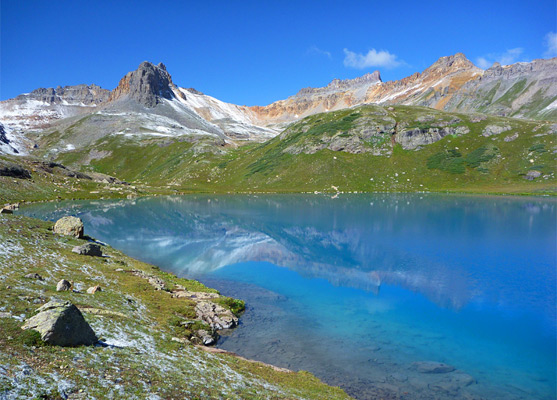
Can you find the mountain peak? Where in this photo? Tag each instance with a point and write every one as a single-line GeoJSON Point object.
{"type": "Point", "coordinates": [148, 84]}
{"type": "Point", "coordinates": [450, 64]}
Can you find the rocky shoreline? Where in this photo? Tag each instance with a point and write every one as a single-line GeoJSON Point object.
{"type": "Point", "coordinates": [108, 326]}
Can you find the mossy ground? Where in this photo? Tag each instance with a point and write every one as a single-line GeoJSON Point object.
{"type": "Point", "coordinates": [130, 315]}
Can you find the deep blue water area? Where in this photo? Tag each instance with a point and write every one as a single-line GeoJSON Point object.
{"type": "Point", "coordinates": [361, 290]}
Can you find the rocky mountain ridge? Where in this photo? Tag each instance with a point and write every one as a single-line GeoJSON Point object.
{"type": "Point", "coordinates": [147, 103]}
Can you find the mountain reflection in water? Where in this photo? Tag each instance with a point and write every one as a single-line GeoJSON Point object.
{"type": "Point", "coordinates": [357, 288]}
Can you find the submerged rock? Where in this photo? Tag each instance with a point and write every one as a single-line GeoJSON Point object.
{"type": "Point", "coordinates": [432, 367]}
{"type": "Point", "coordinates": [60, 323]}
{"type": "Point", "coordinates": [88, 249]}
{"type": "Point", "coordinates": [69, 226]}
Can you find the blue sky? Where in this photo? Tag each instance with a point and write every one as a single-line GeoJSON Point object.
{"type": "Point", "coordinates": [257, 52]}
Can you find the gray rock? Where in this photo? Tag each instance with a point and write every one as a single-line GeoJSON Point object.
{"type": "Point", "coordinates": [531, 175]}
{"type": "Point", "coordinates": [6, 211]}
{"type": "Point", "coordinates": [34, 276]}
{"type": "Point", "coordinates": [186, 294]}
{"type": "Point", "coordinates": [478, 118]}
{"type": "Point", "coordinates": [88, 249]}
{"type": "Point", "coordinates": [154, 281]}
{"type": "Point", "coordinates": [207, 338]}
{"type": "Point", "coordinates": [216, 316]}
{"type": "Point", "coordinates": [70, 226]}
{"type": "Point", "coordinates": [80, 94]}
{"type": "Point", "coordinates": [63, 286]}
{"type": "Point", "coordinates": [148, 85]}
{"type": "Point", "coordinates": [60, 323]}
{"type": "Point", "coordinates": [432, 367]}
{"type": "Point", "coordinates": [510, 138]}
{"type": "Point", "coordinates": [413, 138]}
{"type": "Point", "coordinates": [491, 130]}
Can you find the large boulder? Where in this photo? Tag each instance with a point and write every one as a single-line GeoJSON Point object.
{"type": "Point", "coordinates": [60, 323]}
{"type": "Point", "coordinates": [70, 226]}
{"type": "Point", "coordinates": [63, 285]}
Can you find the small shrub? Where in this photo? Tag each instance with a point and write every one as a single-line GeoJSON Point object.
{"type": "Point", "coordinates": [538, 148]}
{"type": "Point", "coordinates": [480, 155]}
{"type": "Point", "coordinates": [31, 338]}
{"type": "Point", "coordinates": [234, 305]}
{"type": "Point", "coordinates": [448, 161]}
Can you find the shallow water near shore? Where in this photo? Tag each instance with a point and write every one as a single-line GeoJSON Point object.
{"type": "Point", "coordinates": [362, 290]}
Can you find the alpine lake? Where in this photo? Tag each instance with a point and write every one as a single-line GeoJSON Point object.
{"type": "Point", "coordinates": [393, 296]}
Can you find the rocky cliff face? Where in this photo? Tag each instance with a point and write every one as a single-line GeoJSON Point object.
{"type": "Point", "coordinates": [148, 84]}
{"type": "Point", "coordinates": [431, 88]}
{"type": "Point", "coordinates": [452, 83]}
{"type": "Point", "coordinates": [525, 90]}
{"type": "Point", "coordinates": [79, 95]}
{"type": "Point", "coordinates": [42, 107]}
{"type": "Point", "coordinates": [336, 95]}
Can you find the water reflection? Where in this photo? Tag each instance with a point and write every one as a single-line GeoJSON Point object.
{"type": "Point", "coordinates": [453, 250]}
{"type": "Point", "coordinates": [358, 288]}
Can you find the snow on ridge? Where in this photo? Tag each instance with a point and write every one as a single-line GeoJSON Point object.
{"type": "Point", "coordinates": [15, 145]}
{"type": "Point", "coordinates": [217, 108]}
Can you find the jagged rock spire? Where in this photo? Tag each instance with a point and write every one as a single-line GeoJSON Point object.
{"type": "Point", "coordinates": [148, 84]}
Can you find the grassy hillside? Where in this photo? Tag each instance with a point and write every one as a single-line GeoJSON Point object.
{"type": "Point", "coordinates": [139, 322]}
{"type": "Point", "coordinates": [353, 150]}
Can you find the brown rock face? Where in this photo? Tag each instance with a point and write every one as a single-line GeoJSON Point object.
{"type": "Point", "coordinates": [432, 88]}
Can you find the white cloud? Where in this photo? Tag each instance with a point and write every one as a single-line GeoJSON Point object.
{"type": "Point", "coordinates": [314, 50]}
{"type": "Point", "coordinates": [483, 63]}
{"type": "Point", "coordinates": [550, 42]}
{"type": "Point", "coordinates": [373, 58]}
{"type": "Point", "coordinates": [508, 57]}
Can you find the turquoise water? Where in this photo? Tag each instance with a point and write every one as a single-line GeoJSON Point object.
{"type": "Point", "coordinates": [359, 288]}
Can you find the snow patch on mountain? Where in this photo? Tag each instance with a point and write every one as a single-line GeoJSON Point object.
{"type": "Point", "coordinates": [11, 143]}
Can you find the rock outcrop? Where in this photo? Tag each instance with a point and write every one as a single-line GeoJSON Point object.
{"type": "Point", "coordinates": [69, 226]}
{"type": "Point", "coordinates": [413, 138]}
{"type": "Point", "coordinates": [80, 95]}
{"type": "Point", "coordinates": [148, 84]}
{"type": "Point", "coordinates": [88, 249]}
{"type": "Point", "coordinates": [60, 323]}
{"type": "Point", "coordinates": [216, 316]}
{"type": "Point", "coordinates": [524, 90]}
{"type": "Point", "coordinates": [13, 170]}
